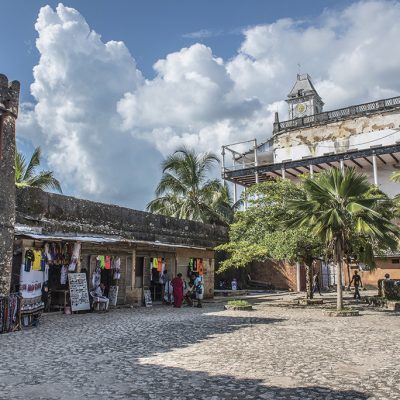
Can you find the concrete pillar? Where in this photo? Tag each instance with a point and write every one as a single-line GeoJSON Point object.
{"type": "Point", "coordinates": [311, 171]}
{"type": "Point", "coordinates": [223, 163]}
{"type": "Point", "coordinates": [298, 276]}
{"type": "Point", "coordinates": [9, 99]}
{"type": "Point", "coordinates": [342, 165]}
{"type": "Point", "coordinates": [283, 173]}
{"type": "Point", "coordinates": [255, 159]}
{"type": "Point", "coordinates": [375, 169]}
{"type": "Point", "coordinates": [234, 185]}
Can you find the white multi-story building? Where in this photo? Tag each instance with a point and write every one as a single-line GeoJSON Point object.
{"type": "Point", "coordinates": [364, 136]}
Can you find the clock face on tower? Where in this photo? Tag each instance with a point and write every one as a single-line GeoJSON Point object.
{"type": "Point", "coordinates": [301, 108]}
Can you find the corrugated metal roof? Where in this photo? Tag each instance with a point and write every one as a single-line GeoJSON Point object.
{"type": "Point", "coordinates": [36, 233]}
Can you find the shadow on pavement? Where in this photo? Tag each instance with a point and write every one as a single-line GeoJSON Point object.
{"type": "Point", "coordinates": [112, 356]}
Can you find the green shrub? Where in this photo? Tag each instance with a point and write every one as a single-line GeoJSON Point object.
{"type": "Point", "coordinates": [238, 303]}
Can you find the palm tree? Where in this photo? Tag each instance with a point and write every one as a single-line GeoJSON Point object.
{"type": "Point", "coordinates": [338, 208]}
{"type": "Point", "coordinates": [26, 174]}
{"type": "Point", "coordinates": [185, 191]}
{"type": "Point", "coordinates": [395, 177]}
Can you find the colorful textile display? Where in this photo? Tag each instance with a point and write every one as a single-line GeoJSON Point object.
{"type": "Point", "coordinates": [101, 262]}
{"type": "Point", "coordinates": [155, 262]}
{"type": "Point", "coordinates": [107, 262]}
{"type": "Point", "coordinates": [29, 258]}
{"type": "Point", "coordinates": [9, 313]}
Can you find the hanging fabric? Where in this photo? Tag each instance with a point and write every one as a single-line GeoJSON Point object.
{"type": "Point", "coordinates": [29, 258]}
{"type": "Point", "coordinates": [37, 260]}
{"type": "Point", "coordinates": [117, 268]}
{"type": "Point", "coordinates": [159, 264]}
{"type": "Point", "coordinates": [64, 275]}
{"type": "Point", "coordinates": [199, 263]}
{"type": "Point", "coordinates": [107, 262]}
{"type": "Point", "coordinates": [101, 261]}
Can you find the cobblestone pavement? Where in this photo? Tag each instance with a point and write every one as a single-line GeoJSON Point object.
{"type": "Point", "coordinates": [164, 353]}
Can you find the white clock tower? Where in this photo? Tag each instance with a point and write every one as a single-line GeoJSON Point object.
{"type": "Point", "coordinates": [303, 99]}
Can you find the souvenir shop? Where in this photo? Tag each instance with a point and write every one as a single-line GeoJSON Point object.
{"type": "Point", "coordinates": [161, 288]}
{"type": "Point", "coordinates": [41, 275]}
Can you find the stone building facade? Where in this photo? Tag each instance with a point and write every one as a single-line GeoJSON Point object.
{"type": "Point", "coordinates": [9, 100]}
{"type": "Point", "coordinates": [133, 236]}
{"type": "Point", "coordinates": [30, 218]}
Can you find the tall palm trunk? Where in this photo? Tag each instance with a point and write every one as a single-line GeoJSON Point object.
{"type": "Point", "coordinates": [309, 280]}
{"type": "Point", "coordinates": [339, 261]}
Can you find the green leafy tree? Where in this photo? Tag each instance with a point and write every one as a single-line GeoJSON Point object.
{"type": "Point", "coordinates": [259, 233]}
{"type": "Point", "coordinates": [338, 208]}
{"type": "Point", "coordinates": [27, 174]}
{"type": "Point", "coordinates": [186, 192]}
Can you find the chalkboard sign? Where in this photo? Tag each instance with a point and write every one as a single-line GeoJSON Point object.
{"type": "Point", "coordinates": [113, 295]}
{"type": "Point", "coordinates": [78, 291]}
{"type": "Point", "coordinates": [147, 298]}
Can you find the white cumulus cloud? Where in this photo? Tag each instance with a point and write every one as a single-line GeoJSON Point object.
{"type": "Point", "coordinates": [105, 128]}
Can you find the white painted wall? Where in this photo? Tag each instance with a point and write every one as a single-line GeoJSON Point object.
{"type": "Point", "coordinates": [361, 141]}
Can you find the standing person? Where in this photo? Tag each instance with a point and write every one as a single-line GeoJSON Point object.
{"type": "Point", "coordinates": [177, 284]}
{"type": "Point", "coordinates": [189, 294]}
{"type": "Point", "coordinates": [199, 289]}
{"type": "Point", "coordinates": [316, 285]}
{"type": "Point", "coordinates": [164, 278]}
{"type": "Point", "coordinates": [234, 284]}
{"type": "Point", "coordinates": [357, 283]}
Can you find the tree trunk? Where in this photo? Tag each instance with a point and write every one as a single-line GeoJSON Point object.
{"type": "Point", "coordinates": [309, 280]}
{"type": "Point", "coordinates": [339, 260]}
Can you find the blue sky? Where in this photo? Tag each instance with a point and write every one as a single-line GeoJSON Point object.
{"type": "Point", "coordinates": [109, 89]}
{"type": "Point", "coordinates": [151, 28]}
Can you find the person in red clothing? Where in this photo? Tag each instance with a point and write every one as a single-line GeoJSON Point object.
{"type": "Point", "coordinates": [177, 284]}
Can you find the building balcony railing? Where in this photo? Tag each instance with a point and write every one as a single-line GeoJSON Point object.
{"type": "Point", "coordinates": [334, 115]}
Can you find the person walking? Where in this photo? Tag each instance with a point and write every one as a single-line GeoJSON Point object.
{"type": "Point", "coordinates": [177, 284]}
{"type": "Point", "coordinates": [316, 284]}
{"type": "Point", "coordinates": [357, 283]}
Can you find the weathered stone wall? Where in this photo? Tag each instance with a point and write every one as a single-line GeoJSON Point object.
{"type": "Point", "coordinates": [58, 213]}
{"type": "Point", "coordinates": [9, 97]}
{"type": "Point", "coordinates": [383, 266]}
{"type": "Point", "coordinates": [278, 274]}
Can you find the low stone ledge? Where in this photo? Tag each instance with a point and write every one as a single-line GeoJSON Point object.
{"type": "Point", "coordinates": [393, 305]}
{"type": "Point", "coordinates": [228, 292]}
{"type": "Point", "coordinates": [310, 302]}
{"type": "Point", "coordinates": [342, 313]}
{"type": "Point", "coordinates": [238, 308]}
